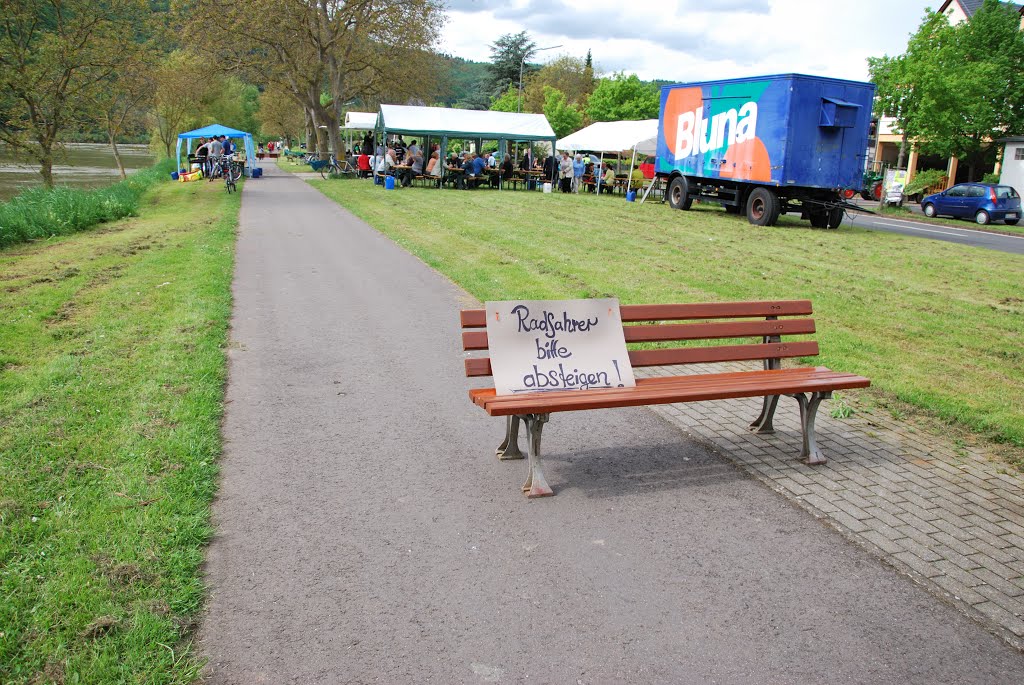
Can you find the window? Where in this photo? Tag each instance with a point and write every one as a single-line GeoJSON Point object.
{"type": "Point", "coordinates": [957, 191]}
{"type": "Point", "coordinates": [975, 191]}
{"type": "Point", "coordinates": [1018, 154]}
{"type": "Point", "coordinates": [1005, 192]}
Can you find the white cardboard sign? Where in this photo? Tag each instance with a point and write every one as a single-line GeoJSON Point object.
{"type": "Point", "coordinates": [548, 345]}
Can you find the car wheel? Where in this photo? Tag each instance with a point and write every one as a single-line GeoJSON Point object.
{"type": "Point", "coordinates": [929, 210]}
{"type": "Point", "coordinates": [679, 193]}
{"type": "Point", "coordinates": [1011, 222]}
{"type": "Point", "coordinates": [763, 207]}
{"type": "Point", "coordinates": [982, 218]}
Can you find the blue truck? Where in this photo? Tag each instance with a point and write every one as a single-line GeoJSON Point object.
{"type": "Point", "coordinates": [765, 146]}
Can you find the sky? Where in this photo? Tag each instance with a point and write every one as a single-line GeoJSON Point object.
{"type": "Point", "coordinates": [694, 40]}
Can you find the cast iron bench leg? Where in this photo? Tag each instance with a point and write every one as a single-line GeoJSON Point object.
{"type": "Point", "coordinates": [509, 449]}
{"type": "Point", "coordinates": [763, 423]}
{"type": "Point", "coordinates": [808, 411]}
{"type": "Point", "coordinates": [535, 485]}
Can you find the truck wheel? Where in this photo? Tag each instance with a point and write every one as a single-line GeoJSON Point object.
{"type": "Point", "coordinates": [876, 191]}
{"type": "Point", "coordinates": [835, 217]}
{"type": "Point", "coordinates": [679, 193]}
{"type": "Point", "coordinates": [731, 209]}
{"type": "Point", "coordinates": [763, 207]}
{"type": "Point", "coordinates": [819, 219]}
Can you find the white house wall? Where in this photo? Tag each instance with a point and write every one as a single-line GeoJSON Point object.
{"type": "Point", "coordinates": [1013, 168]}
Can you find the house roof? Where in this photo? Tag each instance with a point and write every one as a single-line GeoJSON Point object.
{"type": "Point", "coordinates": [971, 6]}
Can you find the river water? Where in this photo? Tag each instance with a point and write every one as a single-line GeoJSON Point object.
{"type": "Point", "coordinates": [81, 165]}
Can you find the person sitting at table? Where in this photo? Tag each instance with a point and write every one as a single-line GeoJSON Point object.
{"type": "Point", "coordinates": [467, 179]}
{"type": "Point", "coordinates": [588, 176]}
{"type": "Point", "coordinates": [415, 169]}
{"type": "Point", "coordinates": [608, 182]}
{"type": "Point", "coordinates": [479, 166]}
{"type": "Point", "coordinates": [434, 167]}
{"type": "Point", "coordinates": [507, 169]}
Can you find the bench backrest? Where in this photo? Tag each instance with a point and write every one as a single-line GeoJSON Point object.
{"type": "Point", "coordinates": [655, 323]}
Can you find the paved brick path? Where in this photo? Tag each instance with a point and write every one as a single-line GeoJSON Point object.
{"type": "Point", "coordinates": [947, 517]}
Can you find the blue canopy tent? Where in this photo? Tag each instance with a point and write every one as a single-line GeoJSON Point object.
{"type": "Point", "coordinates": [218, 130]}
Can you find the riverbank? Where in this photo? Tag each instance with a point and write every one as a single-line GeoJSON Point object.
{"type": "Point", "coordinates": [77, 165]}
{"type": "Point", "coordinates": [111, 387]}
{"type": "Point", "coordinates": [40, 213]}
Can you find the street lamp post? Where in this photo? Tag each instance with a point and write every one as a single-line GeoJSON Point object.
{"type": "Point", "coordinates": [519, 103]}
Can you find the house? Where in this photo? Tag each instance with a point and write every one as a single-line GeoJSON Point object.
{"type": "Point", "coordinates": [887, 139]}
{"type": "Point", "coordinates": [1013, 163]}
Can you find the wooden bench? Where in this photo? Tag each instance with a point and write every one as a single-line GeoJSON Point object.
{"type": "Point", "coordinates": [657, 323]}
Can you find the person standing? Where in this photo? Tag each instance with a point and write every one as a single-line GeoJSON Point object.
{"type": "Point", "coordinates": [577, 173]}
{"type": "Point", "coordinates": [565, 173]}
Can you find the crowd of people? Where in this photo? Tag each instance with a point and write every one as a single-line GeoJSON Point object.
{"type": "Point", "coordinates": [210, 152]}
{"type": "Point", "coordinates": [466, 170]}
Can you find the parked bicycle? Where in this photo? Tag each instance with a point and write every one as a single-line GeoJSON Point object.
{"type": "Point", "coordinates": [330, 166]}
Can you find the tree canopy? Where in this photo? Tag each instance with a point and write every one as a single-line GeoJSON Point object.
{"type": "Point", "coordinates": [623, 97]}
{"type": "Point", "coordinates": [957, 88]}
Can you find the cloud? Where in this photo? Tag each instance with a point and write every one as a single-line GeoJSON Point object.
{"type": "Point", "coordinates": [473, 6]}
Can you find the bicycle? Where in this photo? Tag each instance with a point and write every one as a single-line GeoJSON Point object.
{"type": "Point", "coordinates": [231, 171]}
{"type": "Point", "coordinates": [329, 166]}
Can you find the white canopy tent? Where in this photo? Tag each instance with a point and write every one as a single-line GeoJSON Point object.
{"type": "Point", "coordinates": [360, 121]}
{"type": "Point", "coordinates": [445, 123]}
{"type": "Point", "coordinates": [615, 136]}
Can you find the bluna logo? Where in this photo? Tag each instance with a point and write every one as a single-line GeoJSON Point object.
{"type": "Point", "coordinates": [695, 134]}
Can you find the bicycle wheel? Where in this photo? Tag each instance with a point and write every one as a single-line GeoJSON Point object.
{"type": "Point", "coordinates": [236, 172]}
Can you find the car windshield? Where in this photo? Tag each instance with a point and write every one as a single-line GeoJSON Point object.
{"type": "Point", "coordinates": [1005, 191]}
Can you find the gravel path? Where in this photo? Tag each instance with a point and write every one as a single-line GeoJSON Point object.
{"type": "Point", "coordinates": [365, 532]}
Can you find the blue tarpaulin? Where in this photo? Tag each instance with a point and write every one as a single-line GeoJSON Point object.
{"type": "Point", "coordinates": [218, 130]}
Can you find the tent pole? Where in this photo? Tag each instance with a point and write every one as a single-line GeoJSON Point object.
{"type": "Point", "coordinates": [629, 179]}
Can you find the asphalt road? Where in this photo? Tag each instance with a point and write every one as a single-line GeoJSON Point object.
{"type": "Point", "coordinates": [922, 229]}
{"type": "Point", "coordinates": [365, 532]}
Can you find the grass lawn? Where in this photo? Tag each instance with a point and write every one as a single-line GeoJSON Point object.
{"type": "Point", "coordinates": [112, 368]}
{"type": "Point", "coordinates": [936, 325]}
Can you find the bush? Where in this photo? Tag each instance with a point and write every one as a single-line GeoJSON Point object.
{"type": "Point", "coordinates": [40, 213]}
{"type": "Point", "coordinates": [923, 180]}
{"type": "Point", "coordinates": [990, 178]}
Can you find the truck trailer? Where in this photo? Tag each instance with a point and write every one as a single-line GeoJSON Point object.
{"type": "Point", "coordinates": [765, 146]}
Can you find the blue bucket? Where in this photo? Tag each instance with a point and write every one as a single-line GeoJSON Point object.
{"type": "Point", "coordinates": [378, 180]}
{"type": "Point", "coordinates": [389, 183]}
{"type": "Point", "coordinates": [174, 175]}
{"type": "Point", "coordinates": [631, 196]}
{"type": "Point", "coordinates": [257, 172]}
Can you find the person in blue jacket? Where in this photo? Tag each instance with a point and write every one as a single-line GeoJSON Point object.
{"type": "Point", "coordinates": [577, 172]}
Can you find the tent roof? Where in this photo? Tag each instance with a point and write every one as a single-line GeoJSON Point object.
{"type": "Point", "coordinates": [213, 130]}
{"type": "Point", "coordinates": [614, 136]}
{"type": "Point", "coordinates": [464, 122]}
{"type": "Point", "coordinates": [363, 121]}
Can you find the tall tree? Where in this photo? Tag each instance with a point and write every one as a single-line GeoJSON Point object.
{"type": "Point", "coordinates": [181, 84]}
{"type": "Point", "coordinates": [566, 73]}
{"type": "Point", "coordinates": [563, 117]}
{"type": "Point", "coordinates": [623, 97]}
{"type": "Point", "coordinates": [957, 88]}
{"type": "Point", "coordinates": [120, 100]}
{"type": "Point", "coordinates": [508, 54]}
{"type": "Point", "coordinates": [53, 54]}
{"type": "Point", "coordinates": [279, 115]}
{"type": "Point", "coordinates": [323, 53]}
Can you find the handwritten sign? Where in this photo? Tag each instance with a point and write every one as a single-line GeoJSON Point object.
{"type": "Point", "coordinates": [548, 345]}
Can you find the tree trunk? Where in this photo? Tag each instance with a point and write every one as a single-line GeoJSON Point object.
{"type": "Point", "coordinates": [901, 161]}
{"type": "Point", "coordinates": [117, 153]}
{"type": "Point", "coordinates": [310, 129]}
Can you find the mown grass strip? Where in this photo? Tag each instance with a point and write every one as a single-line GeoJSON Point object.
{"type": "Point", "coordinates": [112, 368]}
{"type": "Point", "coordinates": [936, 325]}
{"type": "Point", "coordinates": [40, 213]}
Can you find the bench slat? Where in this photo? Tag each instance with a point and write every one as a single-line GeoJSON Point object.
{"type": "Point", "coordinates": [682, 389]}
{"type": "Point", "coordinates": [479, 395]}
{"type": "Point", "coordinates": [690, 355]}
{"type": "Point", "coordinates": [477, 339]}
{"type": "Point", "coordinates": [477, 318]}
